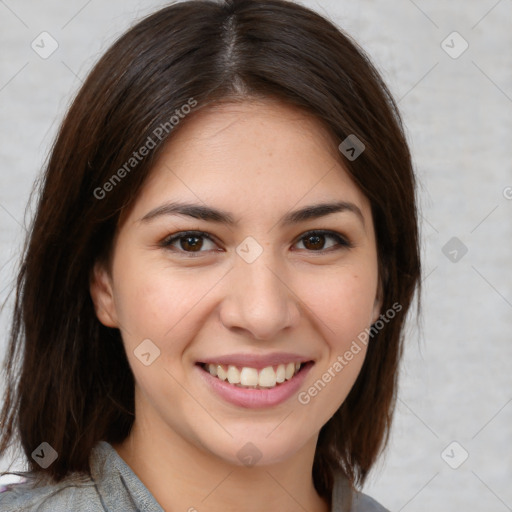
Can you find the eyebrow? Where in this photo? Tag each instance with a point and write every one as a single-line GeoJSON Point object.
{"type": "Point", "coordinates": [207, 213]}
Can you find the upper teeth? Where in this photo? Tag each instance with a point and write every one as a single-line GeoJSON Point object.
{"type": "Point", "coordinates": [246, 376]}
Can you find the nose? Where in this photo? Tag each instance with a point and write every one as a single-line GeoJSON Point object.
{"type": "Point", "coordinates": [259, 301]}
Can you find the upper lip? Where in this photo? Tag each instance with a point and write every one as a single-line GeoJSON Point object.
{"type": "Point", "coordinates": [256, 361]}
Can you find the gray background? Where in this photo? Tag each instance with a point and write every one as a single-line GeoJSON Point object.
{"type": "Point", "coordinates": [456, 380]}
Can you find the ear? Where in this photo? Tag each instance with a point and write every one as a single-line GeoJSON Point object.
{"type": "Point", "coordinates": [102, 295]}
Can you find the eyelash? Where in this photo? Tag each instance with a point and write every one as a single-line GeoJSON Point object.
{"type": "Point", "coordinates": [342, 242]}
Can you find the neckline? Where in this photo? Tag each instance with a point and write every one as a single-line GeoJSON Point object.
{"type": "Point", "coordinates": [106, 461]}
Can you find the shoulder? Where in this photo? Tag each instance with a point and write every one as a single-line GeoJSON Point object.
{"type": "Point", "coordinates": [76, 492]}
{"type": "Point", "coordinates": [346, 498]}
{"type": "Point", "coordinates": [363, 503]}
{"type": "Point", "coordinates": [111, 485]}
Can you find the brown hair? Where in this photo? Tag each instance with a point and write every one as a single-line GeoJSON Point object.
{"type": "Point", "coordinates": [68, 378]}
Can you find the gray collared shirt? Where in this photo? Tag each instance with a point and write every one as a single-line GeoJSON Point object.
{"type": "Point", "coordinates": [112, 486]}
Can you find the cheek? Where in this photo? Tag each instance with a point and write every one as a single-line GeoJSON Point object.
{"type": "Point", "coordinates": [155, 302]}
{"type": "Point", "coordinates": [342, 302]}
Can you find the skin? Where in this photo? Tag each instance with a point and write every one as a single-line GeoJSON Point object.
{"type": "Point", "coordinates": [258, 161]}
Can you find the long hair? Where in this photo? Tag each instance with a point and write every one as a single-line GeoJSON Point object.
{"type": "Point", "coordinates": [68, 381]}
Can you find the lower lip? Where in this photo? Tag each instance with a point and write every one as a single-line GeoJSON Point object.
{"type": "Point", "coordinates": [255, 398]}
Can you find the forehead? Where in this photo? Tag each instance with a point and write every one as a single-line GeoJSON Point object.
{"type": "Point", "coordinates": [260, 126]}
{"type": "Point", "coordinates": [254, 155]}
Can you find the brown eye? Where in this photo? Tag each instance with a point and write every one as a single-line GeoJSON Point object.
{"type": "Point", "coordinates": [188, 242]}
{"type": "Point", "coordinates": [192, 243]}
{"type": "Point", "coordinates": [314, 241]}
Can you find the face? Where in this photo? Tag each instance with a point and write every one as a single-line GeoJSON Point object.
{"type": "Point", "coordinates": [242, 278]}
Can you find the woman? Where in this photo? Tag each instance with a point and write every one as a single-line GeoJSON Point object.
{"type": "Point", "coordinates": [210, 307]}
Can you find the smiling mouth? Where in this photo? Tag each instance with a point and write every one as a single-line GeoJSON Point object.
{"type": "Point", "coordinates": [252, 378]}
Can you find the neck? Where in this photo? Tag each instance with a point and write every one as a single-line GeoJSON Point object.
{"type": "Point", "coordinates": [183, 476]}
